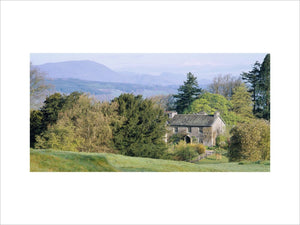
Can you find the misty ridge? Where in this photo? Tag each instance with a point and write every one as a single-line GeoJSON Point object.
{"type": "Point", "coordinates": [106, 84]}
{"type": "Point", "coordinates": [93, 71]}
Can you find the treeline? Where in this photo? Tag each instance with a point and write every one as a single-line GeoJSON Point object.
{"type": "Point", "coordinates": [128, 125]}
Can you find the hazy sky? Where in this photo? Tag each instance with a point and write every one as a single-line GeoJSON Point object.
{"type": "Point", "coordinates": [201, 64]}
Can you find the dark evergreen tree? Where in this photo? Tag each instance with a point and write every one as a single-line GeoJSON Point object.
{"type": "Point", "coordinates": [36, 125]}
{"type": "Point", "coordinates": [264, 88]}
{"type": "Point", "coordinates": [252, 79]}
{"type": "Point", "coordinates": [52, 105]}
{"type": "Point", "coordinates": [258, 80]}
{"type": "Point", "coordinates": [187, 93]}
{"type": "Point", "coordinates": [142, 129]}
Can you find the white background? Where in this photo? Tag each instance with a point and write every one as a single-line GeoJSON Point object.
{"type": "Point", "coordinates": [144, 27]}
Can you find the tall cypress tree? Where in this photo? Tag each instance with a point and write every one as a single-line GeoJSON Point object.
{"type": "Point", "coordinates": [187, 93]}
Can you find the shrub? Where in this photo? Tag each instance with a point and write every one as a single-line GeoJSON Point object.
{"type": "Point", "coordinates": [250, 141]}
{"type": "Point", "coordinates": [199, 148]}
{"type": "Point", "coordinates": [184, 152]}
{"type": "Point", "coordinates": [221, 141]}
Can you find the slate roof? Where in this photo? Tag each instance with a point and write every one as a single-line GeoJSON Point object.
{"type": "Point", "coordinates": [192, 120]}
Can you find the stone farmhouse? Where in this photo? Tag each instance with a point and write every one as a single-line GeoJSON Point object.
{"type": "Point", "coordinates": [199, 128]}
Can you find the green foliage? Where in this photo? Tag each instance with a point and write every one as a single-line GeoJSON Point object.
{"type": "Point", "coordinates": [48, 114]}
{"type": "Point", "coordinates": [210, 103]}
{"type": "Point", "coordinates": [252, 79]}
{"type": "Point", "coordinates": [84, 126]}
{"type": "Point", "coordinates": [36, 125]}
{"type": "Point", "coordinates": [264, 88]}
{"type": "Point", "coordinates": [184, 152]}
{"type": "Point", "coordinates": [187, 93]}
{"type": "Point", "coordinates": [199, 148]}
{"type": "Point", "coordinates": [250, 141]}
{"type": "Point", "coordinates": [52, 106]}
{"type": "Point", "coordinates": [241, 101]}
{"type": "Point", "coordinates": [222, 141]}
{"type": "Point", "coordinates": [258, 80]}
{"type": "Point", "coordinates": [142, 129]}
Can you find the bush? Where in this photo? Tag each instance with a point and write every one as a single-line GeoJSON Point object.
{"type": "Point", "coordinates": [184, 152]}
{"type": "Point", "coordinates": [250, 141]}
{"type": "Point", "coordinates": [222, 141]}
{"type": "Point", "coordinates": [199, 148]}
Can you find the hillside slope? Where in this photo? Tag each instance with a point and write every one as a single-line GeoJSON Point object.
{"type": "Point", "coordinates": [60, 161]}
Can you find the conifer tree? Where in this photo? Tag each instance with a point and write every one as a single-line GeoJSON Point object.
{"type": "Point", "coordinates": [258, 80]}
{"type": "Point", "coordinates": [187, 93]}
{"type": "Point", "coordinates": [252, 79]}
{"type": "Point", "coordinates": [143, 128]}
{"type": "Point", "coordinates": [264, 88]}
{"type": "Point", "coordinates": [241, 101]}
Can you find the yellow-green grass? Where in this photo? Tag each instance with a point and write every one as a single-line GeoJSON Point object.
{"type": "Point", "coordinates": [62, 161]}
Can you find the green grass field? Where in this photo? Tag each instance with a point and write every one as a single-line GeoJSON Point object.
{"type": "Point", "coordinates": [61, 161]}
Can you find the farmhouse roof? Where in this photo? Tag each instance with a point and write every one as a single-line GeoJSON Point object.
{"type": "Point", "coordinates": [192, 120]}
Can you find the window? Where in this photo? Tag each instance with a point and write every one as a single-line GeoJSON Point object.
{"type": "Point", "coordinates": [189, 129]}
{"type": "Point", "coordinates": [175, 129]}
{"type": "Point", "coordinates": [200, 130]}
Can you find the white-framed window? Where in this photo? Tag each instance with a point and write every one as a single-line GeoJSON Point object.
{"type": "Point", "coordinates": [189, 129]}
{"type": "Point", "coordinates": [175, 129]}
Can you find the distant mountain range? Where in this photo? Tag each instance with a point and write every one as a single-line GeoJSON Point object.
{"type": "Point", "coordinates": [104, 83]}
{"type": "Point", "coordinates": [92, 71]}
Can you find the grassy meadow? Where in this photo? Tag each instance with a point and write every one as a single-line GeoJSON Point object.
{"type": "Point", "coordinates": [63, 161]}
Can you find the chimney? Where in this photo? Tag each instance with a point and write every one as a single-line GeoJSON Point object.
{"type": "Point", "coordinates": [216, 114]}
{"type": "Point", "coordinates": [172, 114]}
{"type": "Point", "coordinates": [201, 113]}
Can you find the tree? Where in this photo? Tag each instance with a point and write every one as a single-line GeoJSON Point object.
{"type": "Point", "coordinates": [84, 127]}
{"type": "Point", "coordinates": [241, 101]}
{"type": "Point", "coordinates": [48, 114]}
{"type": "Point", "coordinates": [211, 103]}
{"type": "Point", "coordinates": [224, 85]}
{"type": "Point", "coordinates": [264, 88]}
{"type": "Point", "coordinates": [187, 93]}
{"type": "Point", "coordinates": [36, 125]}
{"type": "Point", "coordinates": [52, 106]}
{"type": "Point", "coordinates": [38, 87]}
{"type": "Point", "coordinates": [250, 141]}
{"type": "Point", "coordinates": [166, 102]}
{"type": "Point", "coordinates": [252, 79]}
{"type": "Point", "coordinates": [142, 129]}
